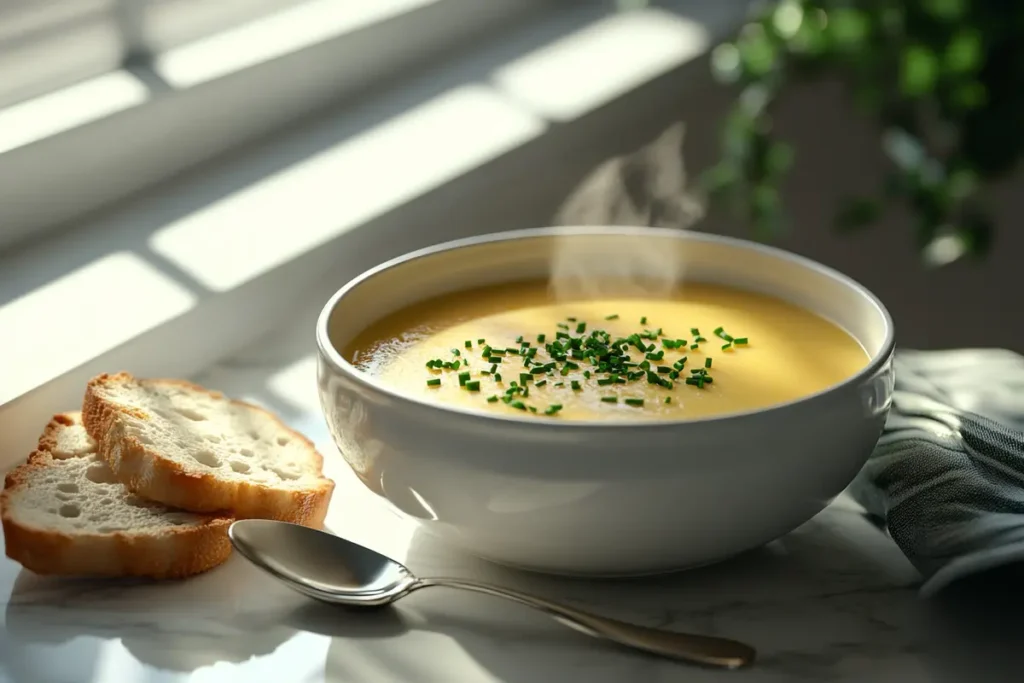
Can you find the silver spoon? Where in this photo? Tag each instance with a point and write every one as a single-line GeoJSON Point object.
{"type": "Point", "coordinates": [326, 567]}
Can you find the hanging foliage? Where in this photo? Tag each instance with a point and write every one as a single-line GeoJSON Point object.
{"type": "Point", "coordinates": [943, 78]}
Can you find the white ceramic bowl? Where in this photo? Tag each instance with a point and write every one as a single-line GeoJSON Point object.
{"type": "Point", "coordinates": [604, 498]}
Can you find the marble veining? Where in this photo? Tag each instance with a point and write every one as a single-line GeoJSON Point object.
{"type": "Point", "coordinates": [833, 601]}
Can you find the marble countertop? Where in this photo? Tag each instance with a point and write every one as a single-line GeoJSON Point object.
{"type": "Point", "coordinates": [833, 601]}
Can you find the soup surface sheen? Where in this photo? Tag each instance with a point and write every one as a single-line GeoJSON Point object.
{"type": "Point", "coordinates": [778, 353]}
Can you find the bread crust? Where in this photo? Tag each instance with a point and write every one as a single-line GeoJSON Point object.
{"type": "Point", "coordinates": [151, 475]}
{"type": "Point", "coordinates": [173, 552]}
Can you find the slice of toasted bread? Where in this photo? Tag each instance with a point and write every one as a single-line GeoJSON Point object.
{"type": "Point", "coordinates": [64, 513]}
{"type": "Point", "coordinates": [191, 448]}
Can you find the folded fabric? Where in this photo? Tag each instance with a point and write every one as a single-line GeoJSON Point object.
{"type": "Point", "coordinates": [948, 472]}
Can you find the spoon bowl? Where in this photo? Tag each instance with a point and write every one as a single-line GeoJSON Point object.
{"type": "Point", "coordinates": [335, 570]}
{"type": "Point", "coordinates": [321, 565]}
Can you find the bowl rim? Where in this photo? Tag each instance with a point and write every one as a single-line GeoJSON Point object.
{"type": "Point", "coordinates": [330, 354]}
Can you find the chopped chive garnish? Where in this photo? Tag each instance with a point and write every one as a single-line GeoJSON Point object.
{"type": "Point", "coordinates": [481, 341]}
{"type": "Point", "coordinates": [553, 408]}
{"type": "Point", "coordinates": [668, 399]}
{"type": "Point", "coordinates": [608, 359]}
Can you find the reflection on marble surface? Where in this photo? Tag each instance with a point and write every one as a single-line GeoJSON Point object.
{"type": "Point", "coordinates": [833, 601]}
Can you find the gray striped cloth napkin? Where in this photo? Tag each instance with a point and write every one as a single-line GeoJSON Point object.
{"type": "Point", "coordinates": [948, 472]}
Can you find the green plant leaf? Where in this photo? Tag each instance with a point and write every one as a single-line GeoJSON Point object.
{"type": "Point", "coordinates": [905, 150]}
{"type": "Point", "coordinates": [961, 184]}
{"type": "Point", "coordinates": [977, 231]}
{"type": "Point", "coordinates": [810, 39]}
{"type": "Point", "coordinates": [848, 27]}
{"type": "Point", "coordinates": [757, 53]}
{"type": "Point", "coordinates": [919, 70]}
{"type": "Point", "coordinates": [965, 52]}
{"type": "Point", "coordinates": [766, 211]}
{"type": "Point", "coordinates": [788, 18]}
{"type": "Point", "coordinates": [778, 159]}
{"type": "Point", "coordinates": [946, 10]}
{"type": "Point", "coordinates": [725, 63]}
{"type": "Point", "coordinates": [856, 214]}
{"type": "Point", "coordinates": [719, 178]}
{"type": "Point", "coordinates": [971, 95]}
{"type": "Point", "coordinates": [943, 246]}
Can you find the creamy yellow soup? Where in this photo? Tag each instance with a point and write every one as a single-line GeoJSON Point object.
{"type": "Point", "coordinates": [513, 349]}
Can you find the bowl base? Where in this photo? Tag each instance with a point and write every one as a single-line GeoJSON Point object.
{"type": "Point", "coordinates": [603, 576]}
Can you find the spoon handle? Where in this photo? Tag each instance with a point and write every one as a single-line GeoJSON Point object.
{"type": "Point", "coordinates": [696, 649]}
